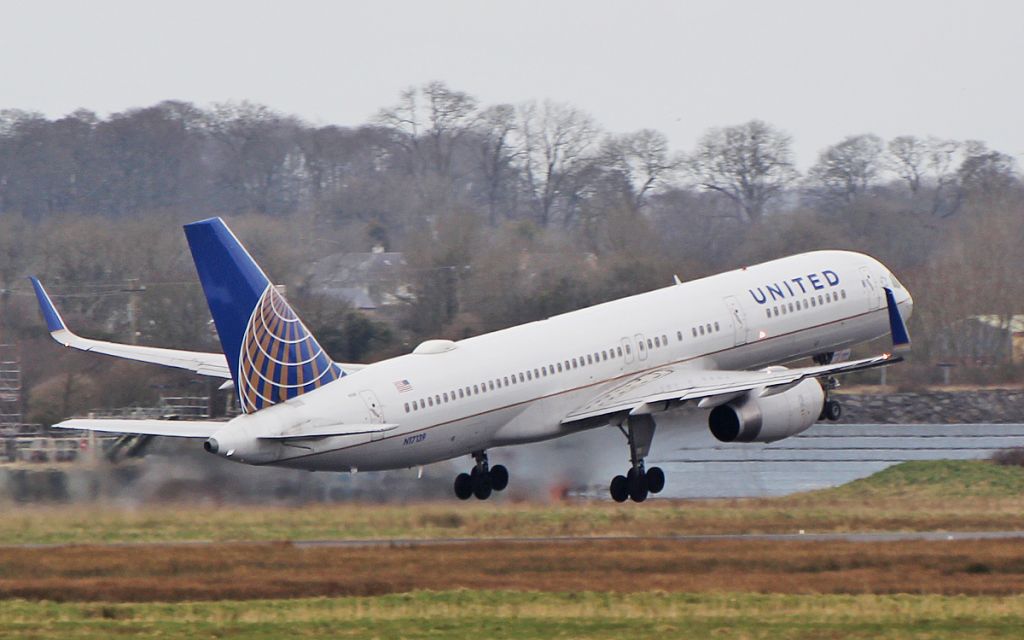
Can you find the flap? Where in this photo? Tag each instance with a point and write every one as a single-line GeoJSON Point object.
{"type": "Point", "coordinates": [674, 384]}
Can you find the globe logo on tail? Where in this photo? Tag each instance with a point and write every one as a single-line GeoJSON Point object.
{"type": "Point", "coordinates": [279, 358]}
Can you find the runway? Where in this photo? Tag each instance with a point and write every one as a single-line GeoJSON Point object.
{"type": "Point", "coordinates": [857, 537]}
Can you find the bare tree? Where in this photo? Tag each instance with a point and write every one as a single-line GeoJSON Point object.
{"type": "Point", "coordinates": [847, 168]}
{"type": "Point", "coordinates": [557, 139]}
{"type": "Point", "coordinates": [429, 123]}
{"type": "Point", "coordinates": [498, 153]}
{"type": "Point", "coordinates": [908, 157]}
{"type": "Point", "coordinates": [749, 163]}
{"type": "Point", "coordinates": [643, 160]}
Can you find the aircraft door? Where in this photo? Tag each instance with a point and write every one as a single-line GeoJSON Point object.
{"type": "Point", "coordinates": [374, 413]}
{"type": "Point", "coordinates": [641, 347]}
{"type": "Point", "coordinates": [739, 320]}
{"type": "Point", "coordinates": [872, 288]}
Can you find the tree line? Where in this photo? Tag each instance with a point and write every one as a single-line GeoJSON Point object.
{"type": "Point", "coordinates": [504, 213]}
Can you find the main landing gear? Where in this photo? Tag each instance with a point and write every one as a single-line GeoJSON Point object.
{"type": "Point", "coordinates": [831, 410]}
{"type": "Point", "coordinates": [482, 480]}
{"type": "Point", "coordinates": [638, 482]}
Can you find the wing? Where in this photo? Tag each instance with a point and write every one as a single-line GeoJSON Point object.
{"type": "Point", "coordinates": [662, 388]}
{"type": "Point", "coordinates": [206, 364]}
{"type": "Point", "coordinates": [172, 428]}
{"type": "Point", "coordinates": [206, 428]}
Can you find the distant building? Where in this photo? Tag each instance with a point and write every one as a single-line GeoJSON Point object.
{"type": "Point", "coordinates": [987, 339]}
{"type": "Point", "coordinates": [370, 282]}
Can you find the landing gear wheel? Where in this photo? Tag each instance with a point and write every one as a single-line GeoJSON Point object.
{"type": "Point", "coordinates": [463, 486]}
{"type": "Point", "coordinates": [619, 489]}
{"type": "Point", "coordinates": [481, 483]}
{"type": "Point", "coordinates": [833, 410]}
{"type": "Point", "coordinates": [637, 483]}
{"type": "Point", "coordinates": [499, 477]}
{"type": "Point", "coordinates": [655, 479]}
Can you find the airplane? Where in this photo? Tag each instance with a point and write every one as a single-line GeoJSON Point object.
{"type": "Point", "coordinates": [719, 343]}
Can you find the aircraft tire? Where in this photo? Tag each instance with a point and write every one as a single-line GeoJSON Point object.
{"type": "Point", "coordinates": [481, 483]}
{"type": "Point", "coordinates": [619, 489]}
{"type": "Point", "coordinates": [833, 410]}
{"type": "Point", "coordinates": [637, 486]}
{"type": "Point", "coordinates": [655, 479]}
{"type": "Point", "coordinates": [499, 477]}
{"type": "Point", "coordinates": [463, 486]}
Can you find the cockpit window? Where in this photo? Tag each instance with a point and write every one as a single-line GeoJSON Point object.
{"type": "Point", "coordinates": [895, 283]}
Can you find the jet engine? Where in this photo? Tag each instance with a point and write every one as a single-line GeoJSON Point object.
{"type": "Point", "coordinates": [770, 417]}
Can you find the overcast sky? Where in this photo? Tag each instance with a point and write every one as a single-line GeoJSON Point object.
{"type": "Point", "coordinates": [819, 70]}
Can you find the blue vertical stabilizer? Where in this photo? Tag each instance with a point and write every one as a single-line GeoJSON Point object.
{"type": "Point", "coordinates": [271, 354]}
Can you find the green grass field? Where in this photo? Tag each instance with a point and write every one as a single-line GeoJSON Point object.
{"type": "Point", "coordinates": [941, 495]}
{"type": "Point", "coordinates": [505, 614]}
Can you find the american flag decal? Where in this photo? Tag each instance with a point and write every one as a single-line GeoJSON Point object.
{"type": "Point", "coordinates": [403, 386]}
{"type": "Point", "coordinates": [280, 359]}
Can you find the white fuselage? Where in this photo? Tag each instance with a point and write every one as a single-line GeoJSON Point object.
{"type": "Point", "coordinates": [516, 385]}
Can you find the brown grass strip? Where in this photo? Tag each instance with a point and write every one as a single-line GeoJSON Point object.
{"type": "Point", "coordinates": [247, 571]}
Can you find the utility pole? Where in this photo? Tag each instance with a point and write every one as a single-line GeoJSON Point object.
{"type": "Point", "coordinates": [134, 292]}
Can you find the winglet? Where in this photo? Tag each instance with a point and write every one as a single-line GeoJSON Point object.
{"type": "Point", "coordinates": [897, 327]}
{"type": "Point", "coordinates": [53, 320]}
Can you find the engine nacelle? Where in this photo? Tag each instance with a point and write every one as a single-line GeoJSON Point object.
{"type": "Point", "coordinates": [768, 418]}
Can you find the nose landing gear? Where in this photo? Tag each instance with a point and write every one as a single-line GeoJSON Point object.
{"type": "Point", "coordinates": [638, 482]}
{"type": "Point", "coordinates": [482, 480]}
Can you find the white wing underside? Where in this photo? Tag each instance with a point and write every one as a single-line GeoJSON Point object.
{"type": "Point", "coordinates": [656, 390]}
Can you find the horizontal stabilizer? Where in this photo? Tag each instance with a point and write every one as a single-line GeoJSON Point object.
{"type": "Point", "coordinates": [202, 363]}
{"type": "Point", "coordinates": [206, 364]}
{"type": "Point", "coordinates": [326, 431]}
{"type": "Point", "coordinates": [169, 428]}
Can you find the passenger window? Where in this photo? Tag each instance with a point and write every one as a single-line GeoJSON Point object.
{"type": "Point", "coordinates": [574, 365]}
{"type": "Point", "coordinates": [506, 381]}
{"type": "Point", "coordinates": [791, 307]}
{"type": "Point", "coordinates": [812, 301]}
{"type": "Point", "coordinates": [843, 293]}
{"type": "Point", "coordinates": [430, 401]}
{"type": "Point", "coordinates": [717, 328]}
{"type": "Point", "coordinates": [701, 329]}
{"type": "Point", "coordinates": [461, 395]}
{"type": "Point", "coordinates": [476, 390]}
{"type": "Point", "coordinates": [709, 326]}
{"type": "Point", "coordinates": [820, 300]}
{"type": "Point", "coordinates": [438, 398]}
{"type": "Point", "coordinates": [407, 407]}
{"type": "Point", "coordinates": [629, 350]}
{"type": "Point", "coordinates": [694, 329]}
{"type": "Point", "coordinates": [559, 367]}
{"type": "Point", "coordinates": [446, 396]}
{"type": "Point", "coordinates": [657, 341]}
{"type": "Point", "coordinates": [664, 340]}
{"type": "Point", "coordinates": [589, 359]}
{"type": "Point", "coordinates": [490, 385]}
{"type": "Point", "coordinates": [679, 336]}
{"type": "Point", "coordinates": [649, 344]}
